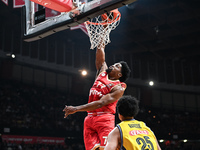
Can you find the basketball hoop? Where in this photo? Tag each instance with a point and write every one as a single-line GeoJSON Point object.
{"type": "Point", "coordinates": [99, 28]}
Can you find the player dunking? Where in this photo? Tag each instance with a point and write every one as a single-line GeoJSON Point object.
{"type": "Point", "coordinates": [108, 87]}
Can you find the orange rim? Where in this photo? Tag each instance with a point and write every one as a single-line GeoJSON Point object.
{"type": "Point", "coordinates": [105, 23]}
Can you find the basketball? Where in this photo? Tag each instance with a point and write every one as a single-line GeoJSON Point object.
{"type": "Point", "coordinates": [110, 16]}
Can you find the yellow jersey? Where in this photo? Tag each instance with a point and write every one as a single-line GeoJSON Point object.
{"type": "Point", "coordinates": [135, 135]}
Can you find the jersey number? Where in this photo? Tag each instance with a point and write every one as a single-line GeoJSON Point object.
{"type": "Point", "coordinates": [146, 143]}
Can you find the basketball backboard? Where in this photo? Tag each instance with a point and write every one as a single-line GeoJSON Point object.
{"type": "Point", "coordinates": [39, 22]}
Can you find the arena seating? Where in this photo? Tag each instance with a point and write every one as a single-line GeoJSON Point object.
{"type": "Point", "coordinates": [35, 111]}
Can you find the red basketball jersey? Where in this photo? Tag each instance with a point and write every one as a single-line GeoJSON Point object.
{"type": "Point", "coordinates": [101, 87]}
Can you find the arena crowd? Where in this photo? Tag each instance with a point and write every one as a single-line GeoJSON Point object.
{"type": "Point", "coordinates": [36, 111]}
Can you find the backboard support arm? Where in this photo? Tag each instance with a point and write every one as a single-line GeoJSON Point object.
{"type": "Point", "coordinates": [63, 21]}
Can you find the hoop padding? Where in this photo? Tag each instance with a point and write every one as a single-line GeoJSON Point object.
{"type": "Point", "coordinates": [99, 28]}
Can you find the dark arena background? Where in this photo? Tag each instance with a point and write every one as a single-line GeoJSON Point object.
{"type": "Point", "coordinates": [159, 39]}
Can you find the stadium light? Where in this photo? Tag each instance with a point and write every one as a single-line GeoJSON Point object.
{"type": "Point", "coordinates": [185, 140]}
{"type": "Point", "coordinates": [161, 140]}
{"type": "Point", "coordinates": [84, 72]}
{"type": "Point", "coordinates": [151, 83]}
{"type": "Point", "coordinates": [13, 55]}
{"type": "Point", "coordinates": [10, 55]}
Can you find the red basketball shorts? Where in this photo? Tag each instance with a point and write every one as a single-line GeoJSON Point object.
{"type": "Point", "coordinates": [96, 130]}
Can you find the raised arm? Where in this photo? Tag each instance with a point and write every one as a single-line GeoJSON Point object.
{"type": "Point", "coordinates": [114, 95]}
{"type": "Point", "coordinates": [100, 59]}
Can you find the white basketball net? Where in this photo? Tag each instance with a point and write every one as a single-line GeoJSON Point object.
{"type": "Point", "coordinates": [99, 30]}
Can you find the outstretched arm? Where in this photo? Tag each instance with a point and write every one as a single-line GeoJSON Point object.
{"type": "Point", "coordinates": [114, 95]}
{"type": "Point", "coordinates": [100, 59]}
{"type": "Point", "coordinates": [114, 140]}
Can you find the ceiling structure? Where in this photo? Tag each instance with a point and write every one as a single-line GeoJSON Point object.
{"type": "Point", "coordinates": [167, 29]}
{"type": "Point", "coordinates": [161, 34]}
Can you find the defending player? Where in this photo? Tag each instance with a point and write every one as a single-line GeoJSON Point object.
{"type": "Point", "coordinates": [108, 87]}
{"type": "Point", "coordinates": [131, 134]}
